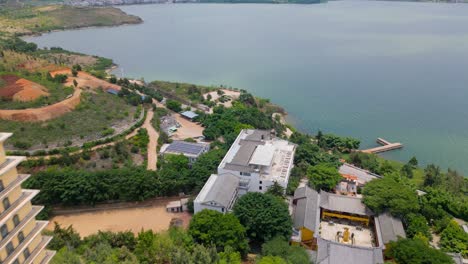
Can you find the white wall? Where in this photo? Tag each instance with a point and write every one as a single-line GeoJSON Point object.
{"type": "Point", "coordinates": [197, 207]}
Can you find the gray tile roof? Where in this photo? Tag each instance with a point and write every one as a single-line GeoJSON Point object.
{"type": "Point", "coordinates": [306, 212]}
{"type": "Point", "coordinates": [222, 189]}
{"type": "Point", "coordinates": [363, 176]}
{"type": "Point", "coordinates": [245, 152]}
{"type": "Point", "coordinates": [189, 148]}
{"type": "Point", "coordinates": [189, 114]}
{"type": "Point", "coordinates": [337, 253]}
{"type": "Point", "coordinates": [390, 227]}
{"type": "Point", "coordinates": [259, 135]}
{"type": "Point", "coordinates": [341, 203]}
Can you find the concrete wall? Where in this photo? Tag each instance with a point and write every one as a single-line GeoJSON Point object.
{"type": "Point", "coordinates": [199, 206]}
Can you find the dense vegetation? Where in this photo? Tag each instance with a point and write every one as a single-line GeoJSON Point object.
{"type": "Point", "coordinates": [264, 216]}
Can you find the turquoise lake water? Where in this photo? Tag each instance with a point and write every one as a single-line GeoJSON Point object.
{"type": "Point", "coordinates": [365, 69]}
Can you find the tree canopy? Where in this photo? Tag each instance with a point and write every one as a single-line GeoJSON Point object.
{"type": "Point", "coordinates": [454, 239]}
{"type": "Point", "coordinates": [323, 177]}
{"type": "Point", "coordinates": [264, 216]}
{"type": "Point", "coordinates": [411, 251]}
{"type": "Point", "coordinates": [210, 227]}
{"type": "Point", "coordinates": [388, 193]}
{"type": "Point", "coordinates": [279, 247]}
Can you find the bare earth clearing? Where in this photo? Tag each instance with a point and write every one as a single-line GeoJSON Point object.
{"type": "Point", "coordinates": [187, 130]}
{"type": "Point", "coordinates": [154, 217]}
{"type": "Point", "coordinates": [43, 113]}
{"type": "Point", "coordinates": [215, 96]}
{"type": "Point", "coordinates": [83, 79]}
{"type": "Point", "coordinates": [86, 80]}
{"type": "Point", "coordinates": [19, 89]}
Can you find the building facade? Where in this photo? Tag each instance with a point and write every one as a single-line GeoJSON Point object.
{"type": "Point", "coordinates": [21, 239]}
{"type": "Point", "coordinates": [259, 158]}
{"type": "Point", "coordinates": [254, 162]}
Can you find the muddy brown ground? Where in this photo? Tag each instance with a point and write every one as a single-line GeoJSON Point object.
{"type": "Point", "coordinates": [128, 219]}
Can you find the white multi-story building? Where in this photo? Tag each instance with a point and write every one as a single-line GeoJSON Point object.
{"type": "Point", "coordinates": [260, 158]}
{"type": "Point", "coordinates": [257, 159]}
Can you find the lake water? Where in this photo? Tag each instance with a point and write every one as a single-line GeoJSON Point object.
{"type": "Point", "coordinates": [363, 69]}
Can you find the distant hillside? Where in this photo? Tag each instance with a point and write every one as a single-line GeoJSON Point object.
{"type": "Point", "coordinates": [18, 19]}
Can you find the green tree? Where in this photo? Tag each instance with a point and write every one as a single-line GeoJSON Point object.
{"type": "Point", "coordinates": [247, 98]}
{"type": "Point", "coordinates": [67, 256]}
{"type": "Point", "coordinates": [417, 224]}
{"type": "Point", "coordinates": [271, 260]}
{"type": "Point", "coordinates": [210, 227]}
{"type": "Point", "coordinates": [432, 175]}
{"type": "Point", "coordinates": [276, 190]}
{"type": "Point", "coordinates": [323, 177]}
{"type": "Point", "coordinates": [205, 165]}
{"type": "Point", "coordinates": [264, 216]}
{"type": "Point", "coordinates": [389, 193]}
{"type": "Point", "coordinates": [407, 171]}
{"type": "Point", "coordinates": [174, 105]}
{"type": "Point", "coordinates": [454, 239]}
{"type": "Point", "coordinates": [413, 162]}
{"type": "Point", "coordinates": [280, 248]}
{"type": "Point", "coordinates": [229, 256]}
{"type": "Point", "coordinates": [412, 251]}
{"type": "Point", "coordinates": [64, 237]}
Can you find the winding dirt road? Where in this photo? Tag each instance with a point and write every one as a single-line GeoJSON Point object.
{"type": "Point", "coordinates": [153, 141]}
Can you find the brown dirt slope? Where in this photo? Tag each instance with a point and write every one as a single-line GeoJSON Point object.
{"type": "Point", "coordinates": [19, 89]}
{"type": "Point", "coordinates": [43, 113]}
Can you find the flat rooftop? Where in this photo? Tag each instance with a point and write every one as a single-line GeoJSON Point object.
{"type": "Point", "coordinates": [257, 151]}
{"type": "Point", "coordinates": [363, 236]}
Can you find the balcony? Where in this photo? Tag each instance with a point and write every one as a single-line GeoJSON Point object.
{"type": "Point", "coordinates": [40, 225]}
{"type": "Point", "coordinates": [25, 197]}
{"type": "Point", "coordinates": [42, 245]}
{"type": "Point", "coordinates": [17, 182]}
{"type": "Point", "coordinates": [13, 233]}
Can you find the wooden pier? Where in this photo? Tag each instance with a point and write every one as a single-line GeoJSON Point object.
{"type": "Point", "coordinates": [386, 146]}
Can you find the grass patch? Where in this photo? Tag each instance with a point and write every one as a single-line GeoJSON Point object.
{"type": "Point", "coordinates": [184, 92]}
{"type": "Point", "coordinates": [97, 112]}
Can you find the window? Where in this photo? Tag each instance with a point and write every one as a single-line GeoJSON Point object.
{"type": "Point", "coordinates": [222, 209]}
{"type": "Point", "coordinates": [4, 231]}
{"type": "Point", "coordinates": [9, 248]}
{"type": "Point", "coordinates": [26, 253]}
{"type": "Point", "coordinates": [1, 186]}
{"type": "Point", "coordinates": [6, 203]}
{"type": "Point", "coordinates": [245, 173]}
{"type": "Point", "coordinates": [260, 187]}
{"type": "Point", "coordinates": [20, 236]}
{"type": "Point", "coordinates": [16, 220]}
{"type": "Point", "coordinates": [260, 182]}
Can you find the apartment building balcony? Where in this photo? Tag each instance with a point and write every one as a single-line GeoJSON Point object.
{"type": "Point", "coordinates": [40, 225]}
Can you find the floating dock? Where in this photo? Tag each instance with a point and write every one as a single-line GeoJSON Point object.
{"type": "Point", "coordinates": [386, 146]}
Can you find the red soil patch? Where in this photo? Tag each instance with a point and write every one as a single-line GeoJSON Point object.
{"type": "Point", "coordinates": [20, 89]}
{"type": "Point", "coordinates": [43, 113]}
{"type": "Point", "coordinates": [83, 79]}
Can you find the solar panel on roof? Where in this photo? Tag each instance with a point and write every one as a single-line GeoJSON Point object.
{"type": "Point", "coordinates": [184, 147]}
